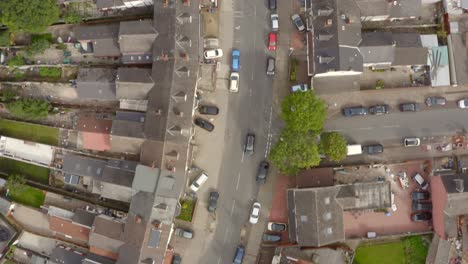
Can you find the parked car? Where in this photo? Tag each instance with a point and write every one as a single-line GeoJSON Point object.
{"type": "Point", "coordinates": [185, 233]}
{"type": "Point", "coordinates": [274, 22]}
{"type": "Point", "coordinates": [271, 238]}
{"type": "Point", "coordinates": [355, 111]}
{"type": "Point", "coordinates": [422, 206]}
{"type": "Point", "coordinates": [176, 259]}
{"type": "Point", "coordinates": [409, 107]}
{"type": "Point", "coordinates": [276, 227]}
{"type": "Point", "coordinates": [412, 142]}
{"type": "Point", "coordinates": [239, 256]}
{"type": "Point", "coordinates": [234, 82]}
{"type": "Point", "coordinates": [303, 87]}
{"type": "Point", "coordinates": [208, 110]}
{"type": "Point", "coordinates": [199, 181]}
{"type": "Point", "coordinates": [272, 4]}
{"type": "Point", "coordinates": [373, 149]}
{"type": "Point", "coordinates": [249, 144]}
{"type": "Point", "coordinates": [272, 38]}
{"type": "Point", "coordinates": [255, 213]}
{"type": "Point", "coordinates": [213, 54]}
{"type": "Point", "coordinates": [297, 20]}
{"type": "Point", "coordinates": [423, 216]}
{"type": "Point", "coordinates": [463, 103]}
{"type": "Point", "coordinates": [270, 66]}
{"type": "Point", "coordinates": [205, 124]}
{"type": "Point", "coordinates": [235, 60]}
{"type": "Point", "coordinates": [435, 100]}
{"type": "Point", "coordinates": [417, 195]}
{"type": "Point", "coordinates": [262, 171]}
{"type": "Point", "coordinates": [379, 109]}
{"type": "Point", "coordinates": [213, 202]}
{"type": "Point", "coordinates": [420, 181]}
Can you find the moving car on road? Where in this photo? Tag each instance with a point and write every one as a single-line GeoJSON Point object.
{"type": "Point", "coordinates": [274, 22]}
{"type": "Point", "coordinates": [417, 196]}
{"type": "Point", "coordinates": [213, 54]}
{"type": "Point", "coordinates": [271, 238]}
{"type": "Point", "coordinates": [255, 213]}
{"type": "Point", "coordinates": [297, 20]}
{"type": "Point", "coordinates": [424, 216]}
{"type": "Point", "coordinates": [208, 110]}
{"type": "Point", "coordinates": [435, 100]}
{"type": "Point", "coordinates": [463, 103]}
{"type": "Point", "coordinates": [239, 256]}
{"type": "Point", "coordinates": [270, 66]}
{"type": "Point", "coordinates": [355, 111]}
{"type": "Point", "coordinates": [303, 87]}
{"type": "Point", "coordinates": [412, 142]}
{"type": "Point", "coordinates": [185, 233]}
{"type": "Point", "coordinates": [249, 144]}
{"type": "Point", "coordinates": [213, 202]}
{"type": "Point", "coordinates": [204, 124]}
{"type": "Point", "coordinates": [373, 149]}
{"type": "Point", "coordinates": [379, 109]}
{"type": "Point", "coordinates": [262, 171]}
{"type": "Point", "coordinates": [234, 82]}
{"type": "Point", "coordinates": [276, 227]}
{"type": "Point", "coordinates": [199, 181]}
{"type": "Point", "coordinates": [409, 107]}
{"type": "Point", "coordinates": [420, 181]}
{"type": "Point", "coordinates": [272, 38]}
{"type": "Point", "coordinates": [235, 57]}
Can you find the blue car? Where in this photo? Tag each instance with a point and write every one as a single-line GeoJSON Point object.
{"type": "Point", "coordinates": [235, 65]}
{"type": "Point", "coordinates": [239, 257]}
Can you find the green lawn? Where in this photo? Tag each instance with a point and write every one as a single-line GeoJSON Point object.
{"type": "Point", "coordinates": [409, 250]}
{"type": "Point", "coordinates": [186, 213]}
{"type": "Point", "coordinates": [29, 196]}
{"type": "Point", "coordinates": [28, 131]}
{"type": "Point", "coordinates": [32, 172]}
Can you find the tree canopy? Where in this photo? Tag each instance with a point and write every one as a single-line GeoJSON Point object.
{"type": "Point", "coordinates": [294, 151]}
{"type": "Point", "coordinates": [29, 109]}
{"type": "Point", "coordinates": [304, 112]}
{"type": "Point", "coordinates": [31, 16]}
{"type": "Point", "coordinates": [15, 183]}
{"type": "Point", "coordinates": [333, 145]}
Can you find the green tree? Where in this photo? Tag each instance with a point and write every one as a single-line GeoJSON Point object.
{"type": "Point", "coordinates": [72, 17]}
{"type": "Point", "coordinates": [29, 109]}
{"type": "Point", "coordinates": [333, 145]}
{"type": "Point", "coordinates": [15, 183]}
{"type": "Point", "coordinates": [31, 16]}
{"type": "Point", "coordinates": [37, 47]}
{"type": "Point", "coordinates": [294, 151]}
{"type": "Point", "coordinates": [304, 112]}
{"type": "Point", "coordinates": [17, 60]}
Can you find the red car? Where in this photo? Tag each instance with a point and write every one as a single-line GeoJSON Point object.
{"type": "Point", "coordinates": [272, 37]}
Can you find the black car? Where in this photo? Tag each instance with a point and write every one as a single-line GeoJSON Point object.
{"type": "Point", "coordinates": [204, 124]}
{"type": "Point", "coordinates": [355, 111]}
{"type": "Point", "coordinates": [416, 196]}
{"type": "Point", "coordinates": [435, 100]}
{"type": "Point", "coordinates": [176, 259]}
{"type": "Point", "coordinates": [272, 4]}
{"type": "Point", "coordinates": [208, 110]}
{"type": "Point", "coordinates": [271, 238]}
{"type": "Point", "coordinates": [424, 216]}
{"type": "Point", "coordinates": [422, 206]}
{"type": "Point", "coordinates": [379, 109]}
{"type": "Point", "coordinates": [409, 107]}
{"type": "Point", "coordinates": [373, 149]}
{"type": "Point", "coordinates": [262, 171]}
{"type": "Point", "coordinates": [213, 202]}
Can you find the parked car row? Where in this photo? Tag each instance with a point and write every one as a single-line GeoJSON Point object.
{"type": "Point", "coordinates": [361, 110]}
{"type": "Point", "coordinates": [421, 206]}
{"type": "Point", "coordinates": [274, 227]}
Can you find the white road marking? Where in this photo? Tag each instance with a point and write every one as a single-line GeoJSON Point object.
{"type": "Point", "coordinates": [365, 128]}
{"type": "Point", "coordinates": [337, 130]}
{"type": "Point", "coordinates": [232, 208]}
{"type": "Point", "coordinates": [270, 136]}
{"type": "Point", "coordinates": [226, 235]}
{"type": "Point", "coordinates": [243, 155]}
{"type": "Point", "coordinates": [238, 181]}
{"type": "Point", "coordinates": [392, 126]}
{"type": "Point", "coordinates": [219, 260]}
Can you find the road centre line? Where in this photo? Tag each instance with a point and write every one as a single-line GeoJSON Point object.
{"type": "Point", "coordinates": [238, 181]}
{"type": "Point", "coordinates": [232, 207]}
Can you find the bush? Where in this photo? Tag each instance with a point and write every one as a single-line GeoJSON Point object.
{"type": "Point", "coordinates": [37, 47]}
{"type": "Point", "coordinates": [29, 109]}
{"type": "Point", "coordinates": [61, 46]}
{"type": "Point", "coordinates": [186, 214]}
{"type": "Point", "coordinates": [17, 60]}
{"type": "Point", "coordinates": [7, 95]}
{"type": "Point", "coordinates": [45, 36]}
{"type": "Point", "coordinates": [72, 17]}
{"type": "Point", "coordinates": [293, 73]}
{"type": "Point", "coordinates": [379, 84]}
{"type": "Point", "coordinates": [50, 72]}
{"type": "Point", "coordinates": [5, 38]}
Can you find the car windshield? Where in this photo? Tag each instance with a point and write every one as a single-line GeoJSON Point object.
{"type": "Point", "coordinates": [234, 78]}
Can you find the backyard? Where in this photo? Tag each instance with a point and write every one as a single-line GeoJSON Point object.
{"type": "Point", "coordinates": [28, 131]}
{"type": "Point", "coordinates": [409, 250]}
{"type": "Point", "coordinates": [31, 172]}
{"type": "Point", "coordinates": [29, 196]}
{"type": "Point", "coordinates": [188, 206]}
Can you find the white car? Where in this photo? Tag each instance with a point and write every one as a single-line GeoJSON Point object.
{"type": "Point", "coordinates": [213, 54]}
{"type": "Point", "coordinates": [300, 88]}
{"type": "Point", "coordinates": [255, 213]}
{"type": "Point", "coordinates": [234, 82]}
{"type": "Point", "coordinates": [199, 181]}
{"type": "Point", "coordinates": [463, 103]}
{"type": "Point", "coordinates": [274, 22]}
{"type": "Point", "coordinates": [412, 142]}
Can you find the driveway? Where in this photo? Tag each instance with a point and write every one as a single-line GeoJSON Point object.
{"type": "Point", "coordinates": [31, 219]}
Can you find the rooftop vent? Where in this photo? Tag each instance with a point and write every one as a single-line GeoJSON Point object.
{"type": "Point", "coordinates": [174, 130]}
{"type": "Point", "coordinates": [325, 59]}
{"type": "Point", "coordinates": [329, 22]}
{"type": "Point", "coordinates": [183, 71]}
{"type": "Point", "coordinates": [459, 185]}
{"type": "Point", "coordinates": [325, 12]}
{"type": "Point", "coordinates": [327, 216]}
{"type": "Point", "coordinates": [184, 18]}
{"type": "Point", "coordinates": [180, 96]}
{"type": "Point", "coordinates": [325, 37]}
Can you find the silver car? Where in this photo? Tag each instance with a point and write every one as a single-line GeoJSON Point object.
{"type": "Point", "coordinates": [270, 66]}
{"type": "Point", "coordinates": [297, 20]}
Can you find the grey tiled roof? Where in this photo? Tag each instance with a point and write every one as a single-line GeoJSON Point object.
{"type": "Point", "coordinates": [133, 83]}
{"type": "Point", "coordinates": [96, 83]}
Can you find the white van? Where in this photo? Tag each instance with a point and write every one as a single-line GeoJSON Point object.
{"type": "Point", "coordinates": [354, 149]}
{"type": "Point", "coordinates": [198, 182]}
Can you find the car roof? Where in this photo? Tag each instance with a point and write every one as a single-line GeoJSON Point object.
{"type": "Point", "coordinates": [235, 52]}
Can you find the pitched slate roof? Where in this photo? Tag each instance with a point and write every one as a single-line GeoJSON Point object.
{"type": "Point", "coordinates": [96, 83]}
{"type": "Point", "coordinates": [133, 83]}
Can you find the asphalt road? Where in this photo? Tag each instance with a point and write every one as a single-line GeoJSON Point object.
{"type": "Point", "coordinates": [250, 111]}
